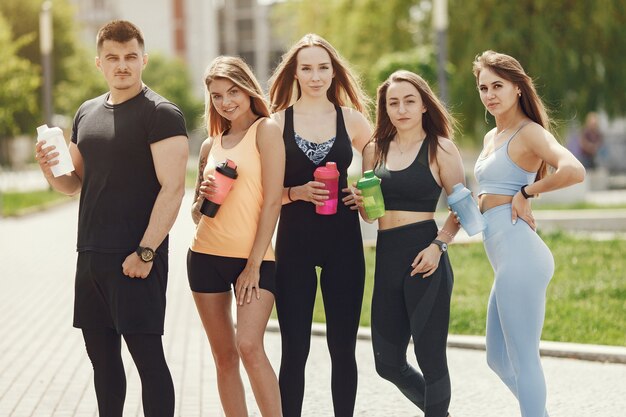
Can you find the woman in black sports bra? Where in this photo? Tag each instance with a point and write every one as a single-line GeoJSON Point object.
{"type": "Point", "coordinates": [316, 130]}
{"type": "Point", "coordinates": [411, 153]}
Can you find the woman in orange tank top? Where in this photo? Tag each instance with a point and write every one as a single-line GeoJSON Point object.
{"type": "Point", "coordinates": [232, 249]}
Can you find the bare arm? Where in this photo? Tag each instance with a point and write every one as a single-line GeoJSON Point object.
{"type": "Point", "coordinates": [569, 171]}
{"type": "Point", "coordinates": [69, 184]}
{"type": "Point", "coordinates": [534, 145]}
{"type": "Point", "coordinates": [450, 172]}
{"type": "Point", "coordinates": [360, 133]}
{"type": "Point", "coordinates": [202, 161]}
{"type": "Point", "coordinates": [279, 118]}
{"type": "Point", "coordinates": [272, 152]}
{"type": "Point", "coordinates": [170, 162]}
{"type": "Point", "coordinates": [448, 169]}
{"type": "Point", "coordinates": [359, 128]}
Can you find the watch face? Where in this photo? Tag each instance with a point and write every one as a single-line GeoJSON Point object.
{"type": "Point", "coordinates": [444, 247]}
{"type": "Point", "coordinates": [147, 255]}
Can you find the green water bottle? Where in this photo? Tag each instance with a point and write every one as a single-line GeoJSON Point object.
{"type": "Point", "coordinates": [372, 195]}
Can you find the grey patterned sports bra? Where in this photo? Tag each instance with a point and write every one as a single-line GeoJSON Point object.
{"type": "Point", "coordinates": [316, 152]}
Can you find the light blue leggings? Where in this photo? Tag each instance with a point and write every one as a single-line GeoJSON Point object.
{"type": "Point", "coordinates": [523, 266]}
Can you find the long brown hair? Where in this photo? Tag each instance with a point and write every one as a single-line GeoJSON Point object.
{"type": "Point", "coordinates": [236, 70]}
{"type": "Point", "coordinates": [345, 86]}
{"type": "Point", "coordinates": [510, 69]}
{"type": "Point", "coordinates": [436, 121]}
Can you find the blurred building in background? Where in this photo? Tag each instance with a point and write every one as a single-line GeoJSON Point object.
{"type": "Point", "coordinates": [195, 31]}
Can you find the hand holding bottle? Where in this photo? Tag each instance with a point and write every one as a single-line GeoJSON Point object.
{"type": "Point", "coordinates": [208, 187]}
{"type": "Point", "coordinates": [328, 175]}
{"type": "Point", "coordinates": [218, 187]}
{"type": "Point", "coordinates": [313, 192]}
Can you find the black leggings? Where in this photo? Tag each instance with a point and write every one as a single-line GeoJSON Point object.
{"type": "Point", "coordinates": [342, 280]}
{"type": "Point", "coordinates": [405, 307]}
{"type": "Point", "coordinates": [104, 349]}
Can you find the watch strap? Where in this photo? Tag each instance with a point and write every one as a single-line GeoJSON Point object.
{"type": "Point", "coordinates": [443, 246]}
{"type": "Point", "coordinates": [524, 193]}
{"type": "Point", "coordinates": [143, 251]}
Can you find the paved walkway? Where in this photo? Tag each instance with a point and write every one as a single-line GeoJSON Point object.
{"type": "Point", "coordinates": [44, 370]}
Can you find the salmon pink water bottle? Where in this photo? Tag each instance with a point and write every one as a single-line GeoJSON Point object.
{"type": "Point", "coordinates": [330, 177]}
{"type": "Point", "coordinates": [225, 175]}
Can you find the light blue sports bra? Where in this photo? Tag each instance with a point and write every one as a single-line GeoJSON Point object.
{"type": "Point", "coordinates": [498, 174]}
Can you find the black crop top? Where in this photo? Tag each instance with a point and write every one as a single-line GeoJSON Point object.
{"type": "Point", "coordinates": [410, 189]}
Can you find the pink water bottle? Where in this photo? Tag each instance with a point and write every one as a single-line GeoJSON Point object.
{"type": "Point", "coordinates": [330, 177]}
{"type": "Point", "coordinates": [225, 175]}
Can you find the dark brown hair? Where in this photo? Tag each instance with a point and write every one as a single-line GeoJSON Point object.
{"type": "Point", "coordinates": [119, 31]}
{"type": "Point", "coordinates": [436, 121]}
{"type": "Point", "coordinates": [510, 69]}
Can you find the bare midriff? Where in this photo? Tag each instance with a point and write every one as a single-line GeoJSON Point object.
{"type": "Point", "coordinates": [396, 218]}
{"type": "Point", "coordinates": [489, 201]}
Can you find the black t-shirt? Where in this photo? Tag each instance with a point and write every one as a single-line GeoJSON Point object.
{"type": "Point", "coordinates": [120, 184]}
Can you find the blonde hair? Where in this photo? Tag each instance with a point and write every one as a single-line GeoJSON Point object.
{"type": "Point", "coordinates": [436, 121]}
{"type": "Point", "coordinates": [510, 69]}
{"type": "Point", "coordinates": [345, 86]}
{"type": "Point", "coordinates": [239, 73]}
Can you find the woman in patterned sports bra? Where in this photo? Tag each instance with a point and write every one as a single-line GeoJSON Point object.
{"type": "Point", "coordinates": [510, 170]}
{"type": "Point", "coordinates": [316, 129]}
{"type": "Point", "coordinates": [412, 153]}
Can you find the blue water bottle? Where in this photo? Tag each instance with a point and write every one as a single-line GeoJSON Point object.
{"type": "Point", "coordinates": [462, 203]}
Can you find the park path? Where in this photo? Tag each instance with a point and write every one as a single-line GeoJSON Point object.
{"type": "Point", "coordinates": [44, 370]}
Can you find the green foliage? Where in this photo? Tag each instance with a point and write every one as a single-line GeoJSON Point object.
{"type": "Point", "coordinates": [361, 30]}
{"type": "Point", "coordinates": [84, 81]}
{"type": "Point", "coordinates": [575, 51]}
{"type": "Point", "coordinates": [170, 78]}
{"type": "Point", "coordinates": [18, 81]}
{"type": "Point", "coordinates": [420, 60]}
{"type": "Point", "coordinates": [23, 20]}
{"type": "Point", "coordinates": [586, 298]}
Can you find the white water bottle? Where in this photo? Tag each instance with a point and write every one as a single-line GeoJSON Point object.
{"type": "Point", "coordinates": [461, 202]}
{"type": "Point", "coordinates": [54, 136]}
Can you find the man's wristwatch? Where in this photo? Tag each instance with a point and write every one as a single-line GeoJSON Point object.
{"type": "Point", "coordinates": [145, 254]}
{"type": "Point", "coordinates": [443, 246]}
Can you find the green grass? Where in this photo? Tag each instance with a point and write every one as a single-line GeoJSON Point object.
{"type": "Point", "coordinates": [16, 203]}
{"type": "Point", "coordinates": [586, 297]}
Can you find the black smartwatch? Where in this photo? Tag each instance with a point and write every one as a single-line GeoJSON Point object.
{"type": "Point", "coordinates": [145, 254]}
{"type": "Point", "coordinates": [443, 246]}
{"type": "Point", "coordinates": [524, 193]}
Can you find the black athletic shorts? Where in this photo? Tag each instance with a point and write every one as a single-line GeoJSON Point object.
{"type": "Point", "coordinates": [213, 274]}
{"type": "Point", "coordinates": [105, 297]}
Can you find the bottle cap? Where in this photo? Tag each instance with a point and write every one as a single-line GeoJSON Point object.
{"type": "Point", "coordinates": [227, 168]}
{"type": "Point", "coordinates": [327, 172]}
{"type": "Point", "coordinates": [42, 129]}
{"type": "Point", "coordinates": [369, 179]}
{"type": "Point", "coordinates": [458, 192]}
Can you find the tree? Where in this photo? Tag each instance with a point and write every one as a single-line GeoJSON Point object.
{"type": "Point", "coordinates": [18, 85]}
{"type": "Point", "coordinates": [574, 50]}
{"type": "Point", "coordinates": [170, 78]}
{"type": "Point", "coordinates": [421, 60]}
{"type": "Point", "coordinates": [361, 30]}
{"type": "Point", "coordinates": [22, 18]}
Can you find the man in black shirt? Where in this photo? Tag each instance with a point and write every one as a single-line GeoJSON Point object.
{"type": "Point", "coordinates": [129, 149]}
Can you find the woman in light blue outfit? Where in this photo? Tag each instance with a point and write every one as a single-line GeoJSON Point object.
{"type": "Point", "coordinates": [510, 170]}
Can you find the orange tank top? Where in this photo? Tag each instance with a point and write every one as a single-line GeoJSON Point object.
{"type": "Point", "coordinates": [232, 231]}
